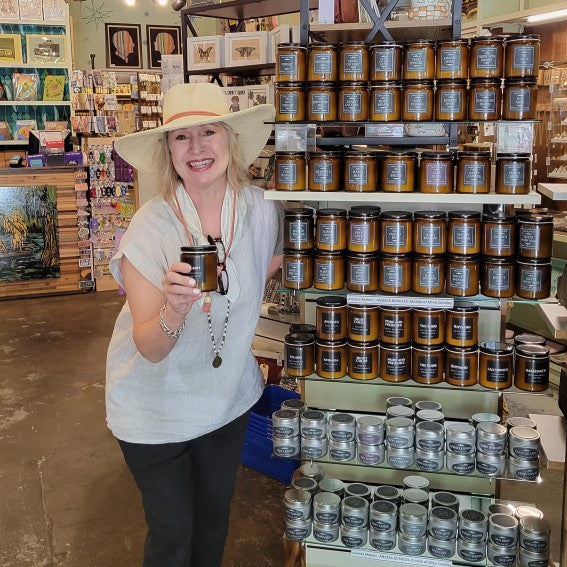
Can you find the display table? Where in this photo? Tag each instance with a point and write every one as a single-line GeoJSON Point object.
{"type": "Point", "coordinates": [555, 191]}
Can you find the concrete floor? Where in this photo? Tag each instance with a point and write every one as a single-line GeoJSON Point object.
{"type": "Point", "coordinates": [67, 498]}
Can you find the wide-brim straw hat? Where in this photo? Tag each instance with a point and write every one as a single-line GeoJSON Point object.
{"type": "Point", "coordinates": [194, 104]}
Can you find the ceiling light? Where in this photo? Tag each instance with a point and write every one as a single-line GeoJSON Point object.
{"type": "Point", "coordinates": [130, 2]}
{"type": "Point", "coordinates": [160, 2]}
{"type": "Point", "coordinates": [547, 16]}
{"type": "Point", "coordinates": [178, 4]}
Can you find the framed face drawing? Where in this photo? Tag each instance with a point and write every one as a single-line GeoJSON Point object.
{"type": "Point", "coordinates": [162, 40]}
{"type": "Point", "coordinates": [123, 45]}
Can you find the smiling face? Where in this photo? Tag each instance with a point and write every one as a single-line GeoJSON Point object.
{"type": "Point", "coordinates": [200, 156]}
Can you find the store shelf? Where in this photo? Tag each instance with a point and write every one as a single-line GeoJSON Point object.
{"type": "Point", "coordinates": [52, 23]}
{"type": "Point", "coordinates": [384, 141]}
{"type": "Point", "coordinates": [247, 9]}
{"type": "Point", "coordinates": [261, 69]}
{"type": "Point", "coordinates": [555, 176]}
{"type": "Point", "coordinates": [34, 103]}
{"type": "Point", "coordinates": [559, 140]}
{"type": "Point", "coordinates": [34, 65]}
{"type": "Point", "coordinates": [14, 142]}
{"type": "Point", "coordinates": [555, 317]}
{"type": "Point", "coordinates": [554, 191]}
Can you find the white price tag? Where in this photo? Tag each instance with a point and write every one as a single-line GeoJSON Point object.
{"type": "Point", "coordinates": [414, 561]}
{"type": "Point", "coordinates": [384, 130]}
{"type": "Point", "coordinates": [361, 299]}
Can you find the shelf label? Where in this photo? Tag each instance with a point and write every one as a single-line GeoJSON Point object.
{"type": "Point", "coordinates": [514, 137]}
{"type": "Point", "coordinates": [383, 130]}
{"type": "Point", "coordinates": [397, 558]}
{"type": "Point", "coordinates": [362, 299]}
{"type": "Point", "coordinates": [295, 137]}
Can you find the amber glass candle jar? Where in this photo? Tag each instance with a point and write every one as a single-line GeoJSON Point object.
{"type": "Point", "coordinates": [354, 62]}
{"type": "Point", "coordinates": [331, 318]}
{"type": "Point", "coordinates": [291, 63]}
{"type": "Point", "coordinates": [532, 368]}
{"type": "Point", "coordinates": [486, 57]}
{"type": "Point", "coordinates": [332, 359]}
{"type": "Point", "coordinates": [452, 61]}
{"type": "Point", "coordinates": [498, 235]}
{"type": "Point", "coordinates": [399, 172]}
{"type": "Point", "coordinates": [522, 56]}
{"type": "Point", "coordinates": [451, 101]}
{"type": "Point", "coordinates": [297, 269]}
{"type": "Point", "coordinates": [436, 172]}
{"type": "Point", "coordinates": [290, 171]}
{"type": "Point", "coordinates": [363, 360]}
{"type": "Point", "coordinates": [428, 274]}
{"type": "Point", "coordinates": [325, 171]}
{"type": "Point", "coordinates": [428, 364]}
{"type": "Point", "coordinates": [462, 275]}
{"type": "Point", "coordinates": [430, 232]}
{"type": "Point", "coordinates": [520, 97]}
{"type": "Point", "coordinates": [533, 278]}
{"type": "Point", "coordinates": [322, 63]}
{"type": "Point", "coordinates": [329, 271]}
{"type": "Point", "coordinates": [298, 229]}
{"type": "Point", "coordinates": [535, 236]}
{"type": "Point", "coordinates": [417, 101]}
{"type": "Point", "coordinates": [362, 272]}
{"type": "Point", "coordinates": [385, 102]}
{"type": "Point", "coordinates": [386, 61]}
{"type": "Point", "coordinates": [331, 230]}
{"type": "Point", "coordinates": [322, 102]}
{"type": "Point", "coordinates": [463, 232]}
{"type": "Point", "coordinates": [513, 174]}
{"type": "Point", "coordinates": [360, 172]}
{"type": "Point", "coordinates": [473, 172]}
{"type": "Point", "coordinates": [428, 326]}
{"type": "Point", "coordinates": [299, 354]}
{"type": "Point", "coordinates": [461, 329]}
{"type": "Point", "coordinates": [363, 229]}
{"type": "Point", "coordinates": [497, 277]}
{"type": "Point", "coordinates": [461, 366]}
{"type": "Point", "coordinates": [363, 323]}
{"type": "Point", "coordinates": [353, 102]}
{"type": "Point", "coordinates": [495, 365]}
{"type": "Point", "coordinates": [395, 362]}
{"type": "Point", "coordinates": [395, 325]}
{"type": "Point", "coordinates": [419, 61]}
{"type": "Point", "coordinates": [290, 102]}
{"type": "Point", "coordinates": [396, 232]}
{"type": "Point", "coordinates": [395, 273]}
{"type": "Point", "coordinates": [203, 262]}
{"type": "Point", "coordinates": [485, 99]}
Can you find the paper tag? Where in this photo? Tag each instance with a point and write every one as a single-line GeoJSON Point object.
{"type": "Point", "coordinates": [397, 558]}
{"type": "Point", "coordinates": [295, 137]}
{"type": "Point", "coordinates": [361, 299]}
{"type": "Point", "coordinates": [383, 130]}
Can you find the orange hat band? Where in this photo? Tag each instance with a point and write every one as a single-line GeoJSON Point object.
{"type": "Point", "coordinates": [190, 113]}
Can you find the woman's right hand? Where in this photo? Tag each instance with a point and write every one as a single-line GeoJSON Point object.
{"type": "Point", "coordinates": [180, 289]}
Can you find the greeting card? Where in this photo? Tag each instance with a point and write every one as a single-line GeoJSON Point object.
{"type": "Point", "coordinates": [25, 86]}
{"type": "Point", "coordinates": [53, 87]}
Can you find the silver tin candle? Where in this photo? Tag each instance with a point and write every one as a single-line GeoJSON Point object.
{"type": "Point", "coordinates": [520, 422]}
{"type": "Point", "coordinates": [400, 432]}
{"type": "Point", "coordinates": [353, 537]}
{"type": "Point", "coordinates": [523, 443]}
{"type": "Point", "coordinates": [412, 520]}
{"type": "Point", "coordinates": [400, 458]}
{"type": "Point", "coordinates": [473, 525]}
{"type": "Point", "coordinates": [297, 529]}
{"type": "Point", "coordinates": [491, 438]}
{"type": "Point", "coordinates": [326, 507]}
{"type": "Point", "coordinates": [522, 469]}
{"type": "Point", "coordinates": [371, 455]}
{"type": "Point", "coordinates": [358, 489]}
{"type": "Point", "coordinates": [389, 493]}
{"type": "Point", "coordinates": [471, 551]}
{"type": "Point", "coordinates": [382, 541]}
{"type": "Point", "coordinates": [460, 464]}
{"type": "Point", "coordinates": [313, 448]}
{"type": "Point", "coordinates": [429, 415]}
{"type": "Point", "coordinates": [503, 530]}
{"type": "Point", "coordinates": [533, 558]}
{"type": "Point", "coordinates": [400, 411]}
{"type": "Point", "coordinates": [525, 511]}
{"type": "Point", "coordinates": [501, 556]}
{"type": "Point", "coordinates": [429, 436]}
{"type": "Point", "coordinates": [428, 405]}
{"type": "Point", "coordinates": [313, 424]}
{"type": "Point", "coordinates": [481, 417]}
{"type": "Point", "coordinates": [354, 511]}
{"type": "Point", "coordinates": [416, 481]}
{"type": "Point", "coordinates": [447, 499]}
{"type": "Point", "coordinates": [383, 516]}
{"type": "Point", "coordinates": [342, 450]}
{"type": "Point", "coordinates": [285, 448]}
{"type": "Point", "coordinates": [429, 461]}
{"type": "Point", "coordinates": [440, 548]}
{"type": "Point", "coordinates": [285, 423]}
{"type": "Point", "coordinates": [491, 465]}
{"type": "Point", "coordinates": [325, 533]}
{"type": "Point", "coordinates": [442, 523]}
{"type": "Point", "coordinates": [333, 485]}
{"type": "Point", "coordinates": [294, 404]}
{"type": "Point", "coordinates": [534, 534]}
{"type": "Point", "coordinates": [342, 427]}
{"type": "Point", "coordinates": [297, 504]}
{"type": "Point", "coordinates": [461, 438]}
{"type": "Point", "coordinates": [415, 496]}
{"type": "Point", "coordinates": [312, 470]}
{"type": "Point", "coordinates": [370, 430]}
{"type": "Point", "coordinates": [410, 545]}
{"type": "Point", "coordinates": [304, 483]}
{"type": "Point", "coordinates": [398, 401]}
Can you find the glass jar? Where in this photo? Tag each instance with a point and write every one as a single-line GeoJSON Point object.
{"type": "Point", "coordinates": [322, 62]}
{"type": "Point", "coordinates": [290, 171]}
{"type": "Point", "coordinates": [520, 97]}
{"type": "Point", "coordinates": [298, 229]}
{"type": "Point", "coordinates": [325, 171]}
{"type": "Point", "coordinates": [486, 57]}
{"type": "Point", "coordinates": [363, 229]}
{"type": "Point", "coordinates": [331, 318]}
{"type": "Point", "coordinates": [290, 102]}
{"type": "Point", "coordinates": [417, 101]}
{"type": "Point", "coordinates": [299, 354]}
{"type": "Point", "coordinates": [528, 339]}
{"type": "Point", "coordinates": [462, 275]}
{"type": "Point", "coordinates": [395, 362]}
{"type": "Point", "coordinates": [484, 99]}
{"type": "Point", "coordinates": [291, 63]}
{"type": "Point", "coordinates": [513, 174]}
{"type": "Point", "coordinates": [473, 172]}
{"type": "Point", "coordinates": [353, 61]}
{"type": "Point", "coordinates": [329, 270]}
{"type": "Point", "coordinates": [399, 172]}
{"type": "Point", "coordinates": [533, 278]}
{"type": "Point", "coordinates": [427, 364]}
{"type": "Point", "coordinates": [321, 102]}
{"type": "Point", "coordinates": [297, 269]}
{"type": "Point", "coordinates": [436, 172]}
{"type": "Point", "coordinates": [203, 262]}
{"type": "Point", "coordinates": [451, 101]}
{"type": "Point", "coordinates": [452, 61]}
{"type": "Point", "coordinates": [363, 360]}
{"type": "Point", "coordinates": [353, 102]}
{"type": "Point", "coordinates": [385, 102]}
{"type": "Point", "coordinates": [331, 359]}
{"type": "Point", "coordinates": [497, 277]}
{"type": "Point", "coordinates": [496, 365]}
{"type": "Point", "coordinates": [428, 274]}
{"type": "Point", "coordinates": [419, 61]}
{"type": "Point", "coordinates": [330, 230]}
{"type": "Point", "coordinates": [396, 232]}
{"type": "Point", "coordinates": [363, 323]}
{"type": "Point", "coordinates": [360, 172]}
{"type": "Point", "coordinates": [461, 366]}
{"type": "Point", "coordinates": [362, 272]}
{"type": "Point", "coordinates": [429, 231]}
{"type": "Point", "coordinates": [395, 273]}
{"type": "Point", "coordinates": [522, 56]}
{"type": "Point", "coordinates": [395, 325]}
{"type": "Point", "coordinates": [532, 368]}
{"type": "Point", "coordinates": [461, 328]}
{"type": "Point", "coordinates": [463, 232]}
{"type": "Point", "coordinates": [428, 326]}
{"type": "Point", "coordinates": [386, 61]}
{"type": "Point", "coordinates": [498, 235]}
{"type": "Point", "coordinates": [535, 236]}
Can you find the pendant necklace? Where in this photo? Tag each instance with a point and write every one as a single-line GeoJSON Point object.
{"type": "Point", "coordinates": [217, 360]}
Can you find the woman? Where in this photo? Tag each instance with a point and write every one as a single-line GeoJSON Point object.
{"type": "Point", "coordinates": [180, 374]}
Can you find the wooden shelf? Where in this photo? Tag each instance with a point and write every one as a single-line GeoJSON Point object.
{"type": "Point", "coordinates": [50, 23]}
{"type": "Point", "coordinates": [35, 103]}
{"type": "Point", "coordinates": [14, 142]}
{"type": "Point", "coordinates": [247, 9]}
{"type": "Point", "coordinates": [554, 191]}
{"type": "Point", "coordinates": [260, 69]}
{"type": "Point", "coordinates": [16, 65]}
{"type": "Point", "coordinates": [555, 317]}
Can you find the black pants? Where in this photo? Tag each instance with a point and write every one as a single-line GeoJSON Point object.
{"type": "Point", "coordinates": [186, 491]}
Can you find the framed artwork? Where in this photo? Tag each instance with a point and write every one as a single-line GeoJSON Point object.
{"type": "Point", "coordinates": [205, 52]}
{"type": "Point", "coordinates": [31, 10]}
{"type": "Point", "coordinates": [11, 48]}
{"type": "Point", "coordinates": [9, 10]}
{"type": "Point", "coordinates": [278, 35]}
{"type": "Point", "coordinates": [162, 40]}
{"type": "Point", "coordinates": [247, 48]}
{"type": "Point", "coordinates": [42, 48]}
{"type": "Point", "coordinates": [123, 45]}
{"type": "Point", "coordinates": [54, 9]}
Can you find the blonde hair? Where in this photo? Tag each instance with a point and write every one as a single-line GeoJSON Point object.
{"type": "Point", "coordinates": [236, 173]}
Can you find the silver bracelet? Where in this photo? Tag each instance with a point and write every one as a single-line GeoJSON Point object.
{"type": "Point", "coordinates": [173, 333]}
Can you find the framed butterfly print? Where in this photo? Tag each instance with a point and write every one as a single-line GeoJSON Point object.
{"type": "Point", "coordinates": [205, 52]}
{"type": "Point", "coordinates": [162, 40]}
{"type": "Point", "coordinates": [246, 48]}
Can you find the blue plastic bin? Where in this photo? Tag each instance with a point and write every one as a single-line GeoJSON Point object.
{"type": "Point", "coordinates": [257, 451]}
